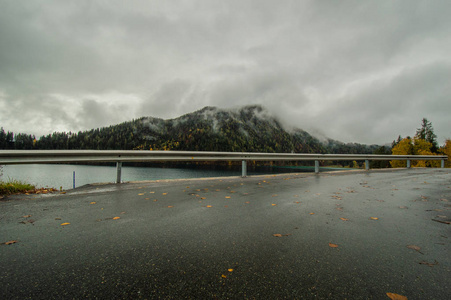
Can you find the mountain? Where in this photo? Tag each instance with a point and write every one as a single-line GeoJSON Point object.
{"type": "Point", "coordinates": [245, 129]}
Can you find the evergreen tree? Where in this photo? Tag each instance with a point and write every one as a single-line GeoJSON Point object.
{"type": "Point", "coordinates": [426, 132]}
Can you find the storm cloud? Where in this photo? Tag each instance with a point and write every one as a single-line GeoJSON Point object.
{"type": "Point", "coordinates": [356, 71]}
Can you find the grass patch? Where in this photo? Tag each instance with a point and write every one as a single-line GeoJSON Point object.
{"type": "Point", "coordinates": [14, 186]}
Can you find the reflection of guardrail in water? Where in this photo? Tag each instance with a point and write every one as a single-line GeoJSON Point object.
{"type": "Point", "coordinates": [120, 156]}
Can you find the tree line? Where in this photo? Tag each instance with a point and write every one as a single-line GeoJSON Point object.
{"type": "Point", "coordinates": [245, 134]}
{"type": "Point", "coordinates": [424, 142]}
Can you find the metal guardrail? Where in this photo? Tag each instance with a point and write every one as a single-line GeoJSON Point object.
{"type": "Point", "coordinates": [120, 156]}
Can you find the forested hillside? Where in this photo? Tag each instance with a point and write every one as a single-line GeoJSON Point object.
{"type": "Point", "coordinates": [248, 129]}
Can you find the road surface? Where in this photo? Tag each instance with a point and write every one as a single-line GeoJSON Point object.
{"type": "Point", "coordinates": [346, 235]}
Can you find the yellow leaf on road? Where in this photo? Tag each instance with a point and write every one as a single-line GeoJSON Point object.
{"type": "Point", "coordinates": [333, 245]}
{"type": "Point", "coordinates": [116, 218]}
{"type": "Point", "coordinates": [374, 218]}
{"type": "Point", "coordinates": [141, 194]}
{"type": "Point", "coordinates": [344, 219]}
{"type": "Point", "coordinates": [64, 224]}
{"type": "Point", "coordinates": [230, 270]}
{"type": "Point", "coordinates": [92, 203]}
{"type": "Point", "coordinates": [394, 296]}
{"type": "Point", "coordinates": [10, 242]}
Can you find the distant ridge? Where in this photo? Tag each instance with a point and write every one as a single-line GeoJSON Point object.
{"type": "Point", "coordinates": [245, 129]}
{"type": "Point", "coordinates": [249, 128]}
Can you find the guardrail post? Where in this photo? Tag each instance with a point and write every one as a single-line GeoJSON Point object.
{"type": "Point", "coordinates": [367, 164]}
{"type": "Point", "coordinates": [118, 171]}
{"type": "Point", "coordinates": [316, 166]}
{"type": "Point", "coordinates": [243, 169]}
{"type": "Point", "coordinates": [408, 163]}
{"type": "Point", "coordinates": [443, 163]}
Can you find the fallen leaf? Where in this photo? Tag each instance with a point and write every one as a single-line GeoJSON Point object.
{"type": "Point", "coordinates": [273, 204]}
{"type": "Point", "coordinates": [414, 247]}
{"type": "Point", "coordinates": [223, 276]}
{"type": "Point", "coordinates": [344, 219]}
{"type": "Point", "coordinates": [164, 194]}
{"type": "Point", "coordinates": [312, 213]}
{"type": "Point", "coordinates": [152, 192]}
{"type": "Point", "coordinates": [141, 194]}
{"type": "Point", "coordinates": [64, 224]}
{"type": "Point", "coordinates": [230, 270]}
{"type": "Point", "coordinates": [374, 218]}
{"type": "Point", "coordinates": [394, 296]}
{"type": "Point", "coordinates": [428, 263]}
{"type": "Point", "coordinates": [333, 245]}
{"type": "Point", "coordinates": [440, 221]}
{"type": "Point", "coordinates": [27, 216]}
{"type": "Point", "coordinates": [92, 203]}
{"type": "Point", "coordinates": [10, 242]}
{"type": "Point", "coordinates": [116, 218]}
{"type": "Point", "coordinates": [57, 218]}
{"type": "Point", "coordinates": [122, 212]}
{"type": "Point", "coordinates": [227, 197]}
{"type": "Point", "coordinates": [170, 206]}
{"type": "Point", "coordinates": [277, 235]}
{"type": "Point", "coordinates": [209, 206]}
{"type": "Point", "coordinates": [203, 198]}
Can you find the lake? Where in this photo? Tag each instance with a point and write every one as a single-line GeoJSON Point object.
{"type": "Point", "coordinates": [61, 175]}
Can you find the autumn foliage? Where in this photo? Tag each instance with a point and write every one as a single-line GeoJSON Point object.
{"type": "Point", "coordinates": [415, 146]}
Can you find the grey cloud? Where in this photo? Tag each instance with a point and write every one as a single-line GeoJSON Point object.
{"type": "Point", "coordinates": [327, 66]}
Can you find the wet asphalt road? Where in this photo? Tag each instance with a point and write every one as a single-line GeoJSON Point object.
{"type": "Point", "coordinates": [214, 239]}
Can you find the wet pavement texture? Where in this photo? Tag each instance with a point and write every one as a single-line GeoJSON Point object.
{"type": "Point", "coordinates": [339, 235]}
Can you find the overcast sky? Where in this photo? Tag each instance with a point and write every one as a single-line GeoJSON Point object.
{"type": "Point", "coordinates": [356, 71]}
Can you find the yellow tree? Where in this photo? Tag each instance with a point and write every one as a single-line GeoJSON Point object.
{"type": "Point", "coordinates": [422, 147]}
{"type": "Point", "coordinates": [414, 146]}
{"type": "Point", "coordinates": [404, 147]}
{"type": "Point", "coordinates": [446, 150]}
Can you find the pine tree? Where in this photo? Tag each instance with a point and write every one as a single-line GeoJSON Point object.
{"type": "Point", "coordinates": [426, 132]}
